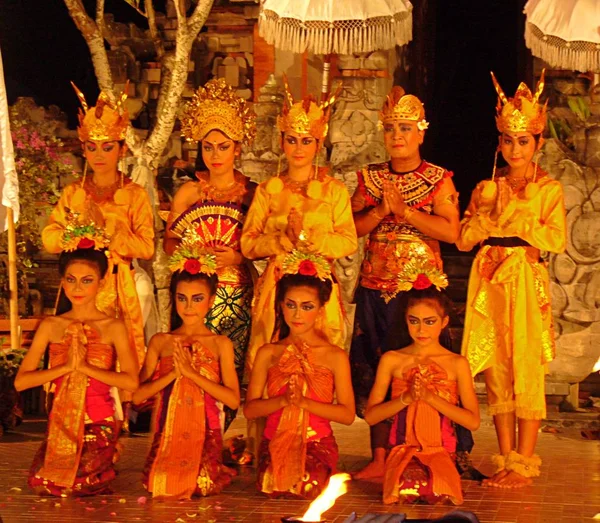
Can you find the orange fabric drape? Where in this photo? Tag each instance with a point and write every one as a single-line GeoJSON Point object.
{"type": "Point", "coordinates": [66, 424]}
{"type": "Point", "coordinates": [175, 469]}
{"type": "Point", "coordinates": [288, 446]}
{"type": "Point", "coordinates": [423, 437]}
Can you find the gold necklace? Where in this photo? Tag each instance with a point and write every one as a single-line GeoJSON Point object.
{"type": "Point", "coordinates": [101, 192]}
{"type": "Point", "coordinates": [516, 184]}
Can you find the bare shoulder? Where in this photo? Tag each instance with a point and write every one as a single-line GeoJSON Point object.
{"type": "Point", "coordinates": [186, 193]}
{"type": "Point", "coordinates": [461, 363]}
{"type": "Point", "coordinates": [223, 343]}
{"type": "Point", "coordinates": [336, 354]}
{"type": "Point", "coordinates": [159, 340]}
{"type": "Point", "coordinates": [268, 350]}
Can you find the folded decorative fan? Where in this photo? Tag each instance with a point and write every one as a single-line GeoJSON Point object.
{"type": "Point", "coordinates": [215, 224]}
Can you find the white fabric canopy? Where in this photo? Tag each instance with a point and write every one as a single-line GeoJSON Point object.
{"type": "Point", "coordinates": [335, 27]}
{"type": "Point", "coordinates": [564, 33]}
{"type": "Point", "coordinates": [9, 184]}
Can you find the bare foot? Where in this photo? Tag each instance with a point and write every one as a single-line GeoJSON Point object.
{"type": "Point", "coordinates": [495, 479]}
{"type": "Point", "coordinates": [507, 479]}
{"type": "Point", "coordinates": [514, 480]}
{"type": "Point", "coordinates": [375, 469]}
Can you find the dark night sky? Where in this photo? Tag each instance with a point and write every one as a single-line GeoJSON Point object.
{"type": "Point", "coordinates": [43, 50]}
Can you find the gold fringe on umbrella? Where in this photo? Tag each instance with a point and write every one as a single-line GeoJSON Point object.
{"type": "Point", "coordinates": [339, 37]}
{"type": "Point", "coordinates": [576, 55]}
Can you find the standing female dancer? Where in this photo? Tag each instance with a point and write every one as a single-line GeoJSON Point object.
{"type": "Point", "coordinates": [427, 381]}
{"type": "Point", "coordinates": [196, 369]}
{"type": "Point", "coordinates": [303, 208]}
{"type": "Point", "coordinates": [508, 330]}
{"type": "Point", "coordinates": [302, 372]}
{"type": "Point", "coordinates": [85, 344]}
{"type": "Point", "coordinates": [109, 200]}
{"type": "Point", "coordinates": [215, 205]}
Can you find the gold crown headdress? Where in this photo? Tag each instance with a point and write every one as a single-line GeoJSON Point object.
{"type": "Point", "coordinates": [106, 122]}
{"type": "Point", "coordinates": [523, 112]}
{"type": "Point", "coordinates": [401, 106]}
{"type": "Point", "coordinates": [420, 275]}
{"type": "Point", "coordinates": [80, 233]}
{"type": "Point", "coordinates": [216, 106]}
{"type": "Point", "coordinates": [306, 264]}
{"type": "Point", "coordinates": [191, 255]}
{"type": "Point", "coordinates": [305, 116]}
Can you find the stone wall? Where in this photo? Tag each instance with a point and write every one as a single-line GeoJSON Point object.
{"type": "Point", "coordinates": [575, 274]}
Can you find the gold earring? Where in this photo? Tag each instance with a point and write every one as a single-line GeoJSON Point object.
{"type": "Point", "coordinates": [495, 162]}
{"type": "Point", "coordinates": [85, 166]}
{"type": "Point", "coordinates": [536, 167]}
{"type": "Point", "coordinates": [279, 165]}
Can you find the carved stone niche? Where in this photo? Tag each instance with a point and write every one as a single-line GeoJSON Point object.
{"type": "Point", "coordinates": [261, 158]}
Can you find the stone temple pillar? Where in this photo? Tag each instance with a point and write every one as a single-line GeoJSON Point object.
{"type": "Point", "coordinates": [575, 274]}
{"type": "Point", "coordinates": [356, 141]}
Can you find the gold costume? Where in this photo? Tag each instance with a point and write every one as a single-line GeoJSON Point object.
{"type": "Point", "coordinates": [508, 326]}
{"type": "Point", "coordinates": [129, 222]}
{"type": "Point", "coordinates": [327, 226]}
{"type": "Point", "coordinates": [330, 231]}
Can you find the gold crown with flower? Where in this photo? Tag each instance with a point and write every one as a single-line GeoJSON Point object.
{"type": "Point", "coordinates": [216, 106]}
{"type": "Point", "coordinates": [192, 256]}
{"type": "Point", "coordinates": [107, 121]}
{"type": "Point", "coordinates": [523, 112]}
{"type": "Point", "coordinates": [420, 275]}
{"type": "Point", "coordinates": [81, 233]}
{"type": "Point", "coordinates": [306, 264]}
{"type": "Point", "coordinates": [305, 116]}
{"type": "Point", "coordinates": [401, 106]}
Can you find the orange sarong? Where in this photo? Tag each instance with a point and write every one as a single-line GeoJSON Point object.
{"type": "Point", "coordinates": [68, 415]}
{"type": "Point", "coordinates": [174, 472]}
{"type": "Point", "coordinates": [289, 444]}
{"type": "Point", "coordinates": [423, 441]}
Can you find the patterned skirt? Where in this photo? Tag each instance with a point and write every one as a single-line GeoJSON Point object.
{"type": "Point", "coordinates": [321, 462]}
{"type": "Point", "coordinates": [96, 465]}
{"type": "Point", "coordinates": [230, 316]}
{"type": "Point", "coordinates": [211, 475]}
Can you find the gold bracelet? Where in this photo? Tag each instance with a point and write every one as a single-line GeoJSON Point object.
{"type": "Point", "coordinates": [407, 212]}
{"type": "Point", "coordinates": [376, 214]}
{"type": "Point", "coordinates": [402, 400]}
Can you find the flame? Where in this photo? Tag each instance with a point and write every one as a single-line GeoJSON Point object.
{"type": "Point", "coordinates": [335, 488]}
{"type": "Point", "coordinates": [597, 366]}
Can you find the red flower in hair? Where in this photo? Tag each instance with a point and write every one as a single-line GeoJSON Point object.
{"type": "Point", "coordinates": [422, 282]}
{"type": "Point", "coordinates": [192, 266]}
{"type": "Point", "coordinates": [307, 268]}
{"type": "Point", "coordinates": [86, 243]}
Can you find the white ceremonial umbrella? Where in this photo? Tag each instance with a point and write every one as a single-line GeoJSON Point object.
{"type": "Point", "coordinates": [333, 26]}
{"type": "Point", "coordinates": [565, 33]}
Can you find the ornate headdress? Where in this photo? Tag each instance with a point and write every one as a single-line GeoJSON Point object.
{"type": "Point", "coordinates": [401, 106]}
{"type": "Point", "coordinates": [216, 106]}
{"type": "Point", "coordinates": [306, 264]}
{"type": "Point", "coordinates": [420, 275]}
{"type": "Point", "coordinates": [306, 116]}
{"type": "Point", "coordinates": [82, 234]}
{"type": "Point", "coordinates": [106, 122]}
{"type": "Point", "coordinates": [191, 256]}
{"type": "Point", "coordinates": [523, 112]}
